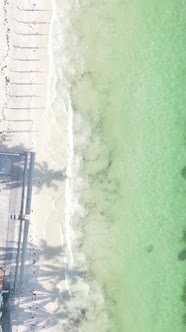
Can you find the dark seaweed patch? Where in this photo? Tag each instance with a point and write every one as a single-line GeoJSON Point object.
{"type": "Point", "coordinates": [182, 255]}
{"type": "Point", "coordinates": [184, 319]}
{"type": "Point", "coordinates": [183, 172]}
{"type": "Point", "coordinates": [149, 248]}
{"type": "Point", "coordinates": [183, 296]}
{"type": "Point", "coordinates": [184, 236]}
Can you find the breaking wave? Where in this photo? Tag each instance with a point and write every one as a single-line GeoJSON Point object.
{"type": "Point", "coordinates": [82, 302]}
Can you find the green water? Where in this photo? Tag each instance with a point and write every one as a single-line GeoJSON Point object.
{"type": "Point", "coordinates": [132, 93]}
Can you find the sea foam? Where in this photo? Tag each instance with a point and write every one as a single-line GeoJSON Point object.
{"type": "Point", "coordinates": [81, 299]}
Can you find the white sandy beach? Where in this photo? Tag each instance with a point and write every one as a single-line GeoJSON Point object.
{"type": "Point", "coordinates": [28, 124]}
{"type": "Point", "coordinates": [55, 294]}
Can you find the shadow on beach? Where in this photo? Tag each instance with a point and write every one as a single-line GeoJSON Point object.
{"type": "Point", "coordinates": [36, 287]}
{"type": "Point", "coordinates": [33, 296]}
{"type": "Point", "coordinates": [43, 175]}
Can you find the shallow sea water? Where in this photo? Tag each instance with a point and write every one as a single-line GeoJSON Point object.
{"type": "Point", "coordinates": [126, 80]}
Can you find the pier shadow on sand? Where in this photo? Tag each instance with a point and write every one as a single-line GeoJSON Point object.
{"type": "Point", "coordinates": [31, 276]}
{"type": "Point", "coordinates": [43, 175]}
{"type": "Point", "coordinates": [35, 314]}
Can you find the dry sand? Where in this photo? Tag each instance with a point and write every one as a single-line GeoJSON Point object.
{"type": "Point", "coordinates": [27, 123]}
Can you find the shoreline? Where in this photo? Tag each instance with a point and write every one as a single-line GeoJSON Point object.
{"type": "Point", "coordinates": [58, 291]}
{"type": "Point", "coordinates": [27, 74]}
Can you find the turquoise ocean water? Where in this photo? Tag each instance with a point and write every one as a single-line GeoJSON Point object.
{"type": "Point", "coordinates": [128, 97]}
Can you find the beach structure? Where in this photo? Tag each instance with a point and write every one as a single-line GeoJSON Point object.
{"type": "Point", "coordinates": [24, 74]}
{"type": "Point", "coordinates": [2, 291]}
{"type": "Point", "coordinates": [16, 171]}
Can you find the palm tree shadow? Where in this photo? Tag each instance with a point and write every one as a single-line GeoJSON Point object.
{"type": "Point", "coordinates": [53, 271]}
{"type": "Point", "coordinates": [42, 176]}
{"type": "Point", "coordinates": [37, 296]}
{"type": "Point", "coordinates": [49, 252]}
